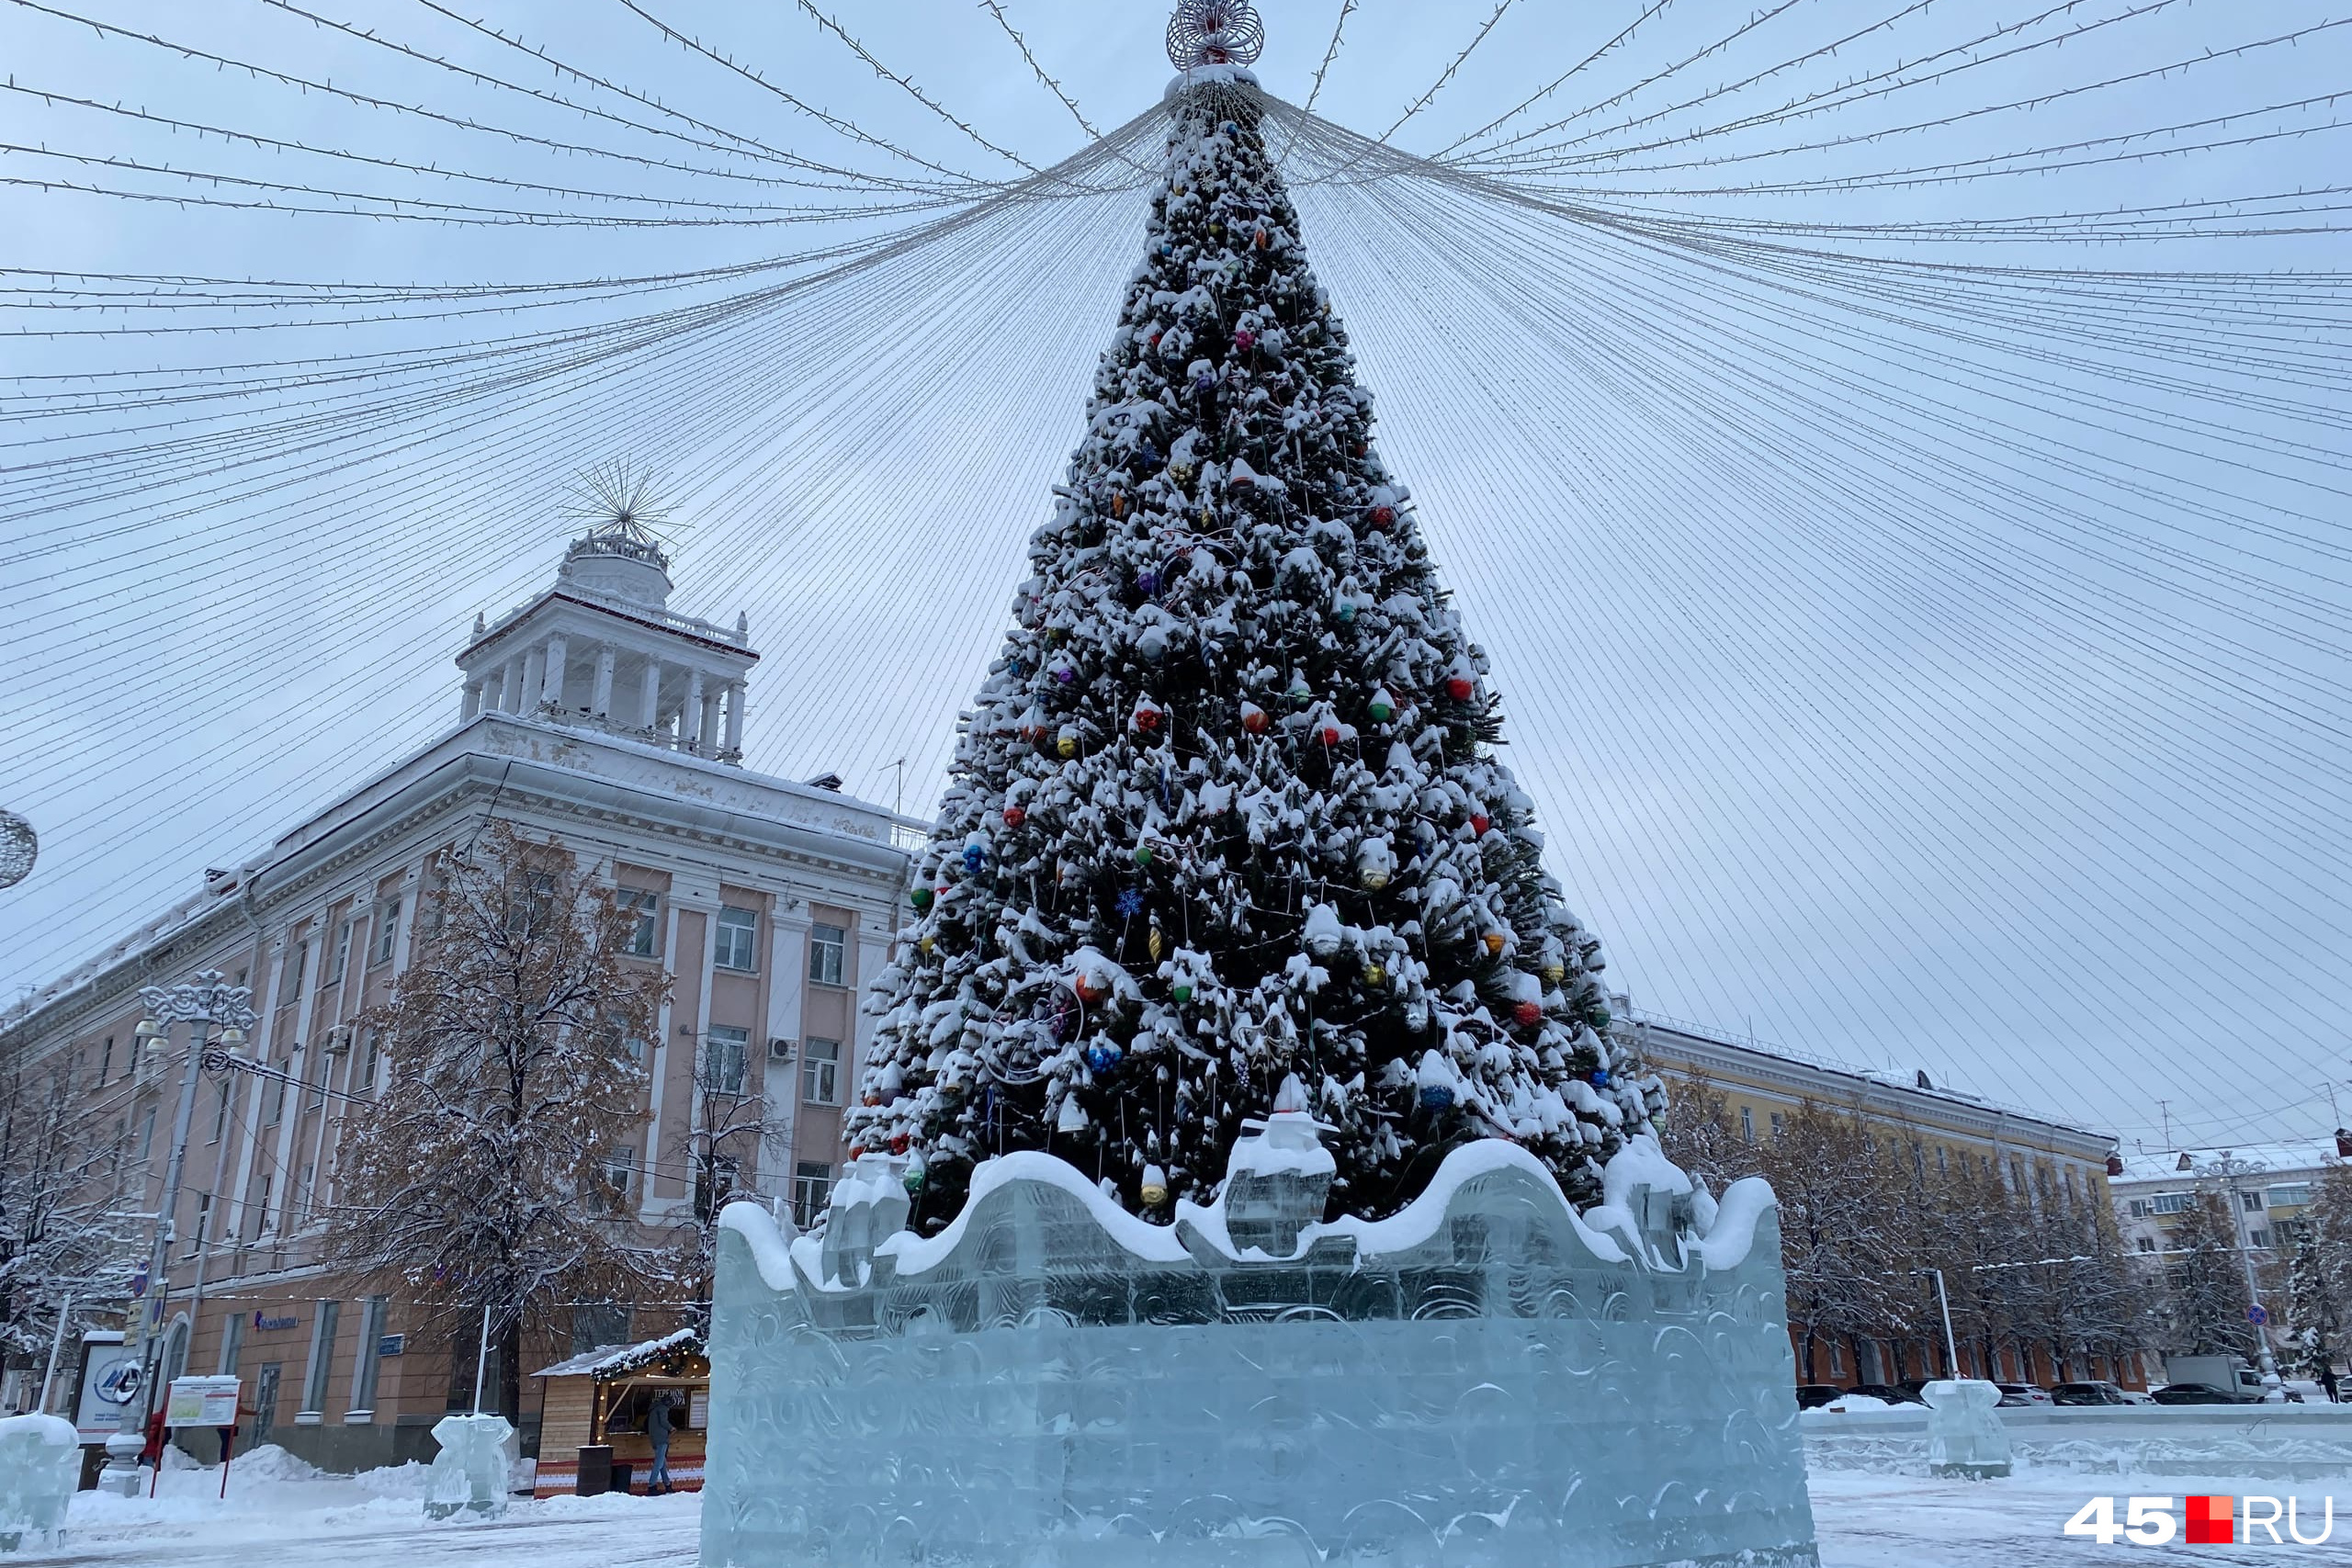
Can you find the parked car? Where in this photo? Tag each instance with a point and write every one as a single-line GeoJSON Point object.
{"type": "Point", "coordinates": [2193, 1393]}
{"type": "Point", "coordinates": [2306, 1391]}
{"type": "Point", "coordinates": [1892, 1392]}
{"type": "Point", "coordinates": [1813, 1395]}
{"type": "Point", "coordinates": [2094, 1393]}
{"type": "Point", "coordinates": [2022, 1393]}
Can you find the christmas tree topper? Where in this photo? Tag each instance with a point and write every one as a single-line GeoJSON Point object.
{"type": "Point", "coordinates": [1215, 32]}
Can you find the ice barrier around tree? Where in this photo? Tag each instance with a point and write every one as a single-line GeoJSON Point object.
{"type": "Point", "coordinates": [1486, 1380]}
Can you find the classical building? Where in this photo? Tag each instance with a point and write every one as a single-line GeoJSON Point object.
{"type": "Point", "coordinates": [593, 714]}
{"type": "Point", "coordinates": [1944, 1129]}
{"type": "Point", "coordinates": [1762, 1085]}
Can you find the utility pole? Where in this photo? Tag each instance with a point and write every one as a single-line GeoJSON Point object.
{"type": "Point", "coordinates": [205, 1004]}
{"type": "Point", "coordinates": [1951, 1350]}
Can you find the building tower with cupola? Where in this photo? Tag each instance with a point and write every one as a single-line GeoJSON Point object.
{"type": "Point", "coordinates": [602, 649]}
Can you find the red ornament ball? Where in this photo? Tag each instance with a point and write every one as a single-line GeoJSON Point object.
{"type": "Point", "coordinates": [899, 1144]}
{"type": "Point", "coordinates": [1014, 816]}
{"type": "Point", "coordinates": [1459, 689]}
{"type": "Point", "coordinates": [1253, 719]}
{"type": "Point", "coordinates": [1147, 719]}
{"type": "Point", "coordinates": [1330, 735]}
{"type": "Point", "coordinates": [1382, 516]}
{"type": "Point", "coordinates": [855, 1150]}
{"type": "Point", "coordinates": [1528, 1013]}
{"type": "Point", "coordinates": [1244, 339]}
{"type": "Point", "coordinates": [1480, 822]}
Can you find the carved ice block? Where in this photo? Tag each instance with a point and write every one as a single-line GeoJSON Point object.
{"type": "Point", "coordinates": [473, 1472]}
{"type": "Point", "coordinates": [1965, 1432]}
{"type": "Point", "coordinates": [1480, 1381]}
{"type": "Point", "coordinates": [39, 1466]}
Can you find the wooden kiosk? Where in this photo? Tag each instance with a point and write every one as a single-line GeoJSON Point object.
{"type": "Point", "coordinates": [592, 1425]}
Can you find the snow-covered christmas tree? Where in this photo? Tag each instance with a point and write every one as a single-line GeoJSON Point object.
{"type": "Point", "coordinates": [1226, 810]}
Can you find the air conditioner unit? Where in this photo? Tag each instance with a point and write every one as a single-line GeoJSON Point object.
{"type": "Point", "coordinates": [780, 1050]}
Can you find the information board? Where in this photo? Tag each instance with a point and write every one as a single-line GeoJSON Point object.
{"type": "Point", "coordinates": [202, 1402]}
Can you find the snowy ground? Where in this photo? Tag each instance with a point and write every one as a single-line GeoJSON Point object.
{"type": "Point", "coordinates": [279, 1514]}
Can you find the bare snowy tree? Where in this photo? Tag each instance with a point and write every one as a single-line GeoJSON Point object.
{"type": "Point", "coordinates": [730, 1125]}
{"type": "Point", "coordinates": [62, 1225]}
{"type": "Point", "coordinates": [492, 1172]}
{"type": "Point", "coordinates": [1834, 1244]}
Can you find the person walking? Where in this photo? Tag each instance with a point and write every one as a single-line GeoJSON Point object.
{"type": "Point", "coordinates": [657, 1430]}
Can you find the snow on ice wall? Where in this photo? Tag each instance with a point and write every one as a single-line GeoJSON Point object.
{"type": "Point", "coordinates": [1485, 1379]}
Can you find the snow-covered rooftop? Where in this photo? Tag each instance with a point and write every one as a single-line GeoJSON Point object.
{"type": "Point", "coordinates": [605, 1361]}
{"type": "Point", "coordinates": [2164, 1164]}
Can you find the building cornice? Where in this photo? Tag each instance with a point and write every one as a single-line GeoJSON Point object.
{"type": "Point", "coordinates": [1802, 1081]}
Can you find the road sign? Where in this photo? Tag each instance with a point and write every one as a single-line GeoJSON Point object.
{"type": "Point", "coordinates": [2256, 1317]}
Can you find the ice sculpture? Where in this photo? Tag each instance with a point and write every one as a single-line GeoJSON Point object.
{"type": "Point", "coordinates": [40, 1465]}
{"type": "Point", "coordinates": [1483, 1379]}
{"type": "Point", "coordinates": [1965, 1432]}
{"type": "Point", "coordinates": [475, 1469]}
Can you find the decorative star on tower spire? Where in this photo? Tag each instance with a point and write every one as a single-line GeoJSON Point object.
{"type": "Point", "coordinates": [1215, 32]}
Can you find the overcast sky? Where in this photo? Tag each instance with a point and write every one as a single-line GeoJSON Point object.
{"type": "Point", "coordinates": [1903, 699]}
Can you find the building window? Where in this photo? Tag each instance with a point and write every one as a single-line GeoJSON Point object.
{"type": "Point", "coordinates": [341, 956]}
{"type": "Point", "coordinates": [2138, 1207]}
{"type": "Point", "coordinates": [372, 1054]}
{"type": "Point", "coordinates": [2169, 1203]}
{"type": "Point", "coordinates": [2293, 1195]}
{"type": "Point", "coordinates": [387, 929]}
{"type": "Point", "coordinates": [725, 1056]}
{"type": "Point", "coordinates": [278, 1091]}
{"type": "Point", "coordinates": [301, 962]}
{"type": "Point", "coordinates": [315, 1375]}
{"type": "Point", "coordinates": [105, 1063]}
{"type": "Point", "coordinates": [825, 945]}
{"type": "Point", "coordinates": [373, 1313]}
{"type": "Point", "coordinates": [1941, 1168]}
{"type": "Point", "coordinates": [1747, 1124]}
{"type": "Point", "coordinates": [618, 1168]}
{"type": "Point", "coordinates": [2258, 1239]}
{"type": "Point", "coordinates": [232, 1341]}
{"type": "Point", "coordinates": [812, 1183]}
{"type": "Point", "coordinates": [716, 1182]}
{"type": "Point", "coordinates": [1777, 1122]}
{"type": "Point", "coordinates": [2290, 1232]}
{"type": "Point", "coordinates": [203, 1224]}
{"type": "Point", "coordinates": [2147, 1243]}
{"type": "Point", "coordinates": [596, 1324]}
{"type": "Point", "coordinates": [147, 1133]}
{"type": "Point", "coordinates": [261, 1209]}
{"type": "Point", "coordinates": [645, 936]}
{"type": "Point", "coordinates": [820, 1070]}
{"type": "Point", "coordinates": [2250, 1202]}
{"type": "Point", "coordinates": [220, 1115]}
{"type": "Point", "coordinates": [733, 942]}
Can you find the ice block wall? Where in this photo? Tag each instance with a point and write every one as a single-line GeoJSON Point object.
{"type": "Point", "coordinates": [1488, 1378]}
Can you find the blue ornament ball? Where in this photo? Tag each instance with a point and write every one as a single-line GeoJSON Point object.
{"type": "Point", "coordinates": [1103, 1057]}
{"type": "Point", "coordinates": [1203, 382]}
{"type": "Point", "coordinates": [1436, 1097]}
{"type": "Point", "coordinates": [1601, 1077]}
{"type": "Point", "coordinates": [975, 857]}
{"type": "Point", "coordinates": [1146, 583]}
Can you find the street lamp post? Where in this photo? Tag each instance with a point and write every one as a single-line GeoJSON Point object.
{"type": "Point", "coordinates": [1943, 1302]}
{"type": "Point", "coordinates": [2229, 1168]}
{"type": "Point", "coordinates": [205, 1004]}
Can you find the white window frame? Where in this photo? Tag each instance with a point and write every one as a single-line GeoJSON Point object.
{"type": "Point", "coordinates": [820, 1068]}
{"type": "Point", "coordinates": [319, 1371]}
{"type": "Point", "coordinates": [727, 1047]}
{"type": "Point", "coordinates": [735, 939]}
{"type": "Point", "coordinates": [645, 942]}
{"type": "Point", "coordinates": [828, 955]}
{"type": "Point", "coordinates": [374, 1313]}
{"type": "Point", "coordinates": [388, 929]}
{"type": "Point", "coordinates": [812, 1184]}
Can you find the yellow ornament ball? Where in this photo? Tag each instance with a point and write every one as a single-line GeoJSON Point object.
{"type": "Point", "coordinates": [1374, 878]}
{"type": "Point", "coordinates": [1375, 975]}
{"type": "Point", "coordinates": [1153, 1194]}
{"type": "Point", "coordinates": [1066, 746]}
{"type": "Point", "coordinates": [1153, 944]}
{"type": "Point", "coordinates": [1494, 941]}
{"type": "Point", "coordinates": [1555, 972]}
{"type": "Point", "coordinates": [927, 941]}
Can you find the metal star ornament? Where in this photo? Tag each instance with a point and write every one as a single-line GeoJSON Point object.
{"type": "Point", "coordinates": [1215, 32]}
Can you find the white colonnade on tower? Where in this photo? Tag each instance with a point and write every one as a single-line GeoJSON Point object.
{"type": "Point", "coordinates": [602, 649]}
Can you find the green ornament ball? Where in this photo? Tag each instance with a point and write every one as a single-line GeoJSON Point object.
{"type": "Point", "coordinates": [1143, 854]}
